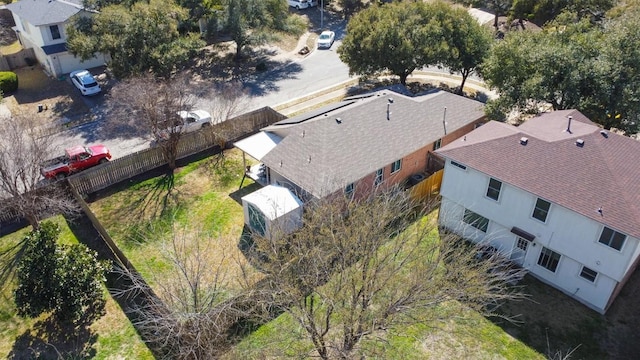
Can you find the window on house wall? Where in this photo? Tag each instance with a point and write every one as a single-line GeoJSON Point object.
{"type": "Point", "coordinates": [588, 274]}
{"type": "Point", "coordinates": [437, 144]}
{"type": "Point", "coordinates": [256, 220]}
{"type": "Point", "coordinates": [541, 210]}
{"type": "Point", "coordinates": [493, 191]}
{"type": "Point", "coordinates": [458, 165]}
{"type": "Point", "coordinates": [612, 238]}
{"type": "Point", "coordinates": [476, 220]}
{"type": "Point", "coordinates": [549, 259]}
{"type": "Point", "coordinates": [522, 244]}
{"type": "Point", "coordinates": [55, 32]}
{"type": "Point", "coordinates": [396, 166]}
{"type": "Point", "coordinates": [349, 189]}
{"type": "Point", "coordinates": [379, 177]}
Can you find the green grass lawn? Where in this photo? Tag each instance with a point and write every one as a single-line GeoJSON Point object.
{"type": "Point", "coordinates": [115, 336]}
{"type": "Point", "coordinates": [456, 333]}
{"type": "Point", "coordinates": [202, 200]}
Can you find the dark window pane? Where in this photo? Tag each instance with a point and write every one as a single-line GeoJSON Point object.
{"type": "Point", "coordinates": [541, 210]}
{"type": "Point", "coordinates": [493, 191]}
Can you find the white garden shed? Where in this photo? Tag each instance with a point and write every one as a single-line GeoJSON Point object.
{"type": "Point", "coordinates": [272, 210]}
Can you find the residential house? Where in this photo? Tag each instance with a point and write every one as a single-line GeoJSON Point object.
{"type": "Point", "coordinates": [559, 195]}
{"type": "Point", "coordinates": [360, 143]}
{"type": "Point", "coordinates": [40, 25]}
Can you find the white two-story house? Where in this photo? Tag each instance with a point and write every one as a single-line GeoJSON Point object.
{"type": "Point", "coordinates": [40, 25]}
{"type": "Point", "coordinates": [559, 195]}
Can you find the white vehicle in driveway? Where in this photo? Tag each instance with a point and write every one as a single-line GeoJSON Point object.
{"type": "Point", "coordinates": [300, 4]}
{"type": "Point", "coordinates": [85, 82]}
{"type": "Point", "coordinates": [326, 39]}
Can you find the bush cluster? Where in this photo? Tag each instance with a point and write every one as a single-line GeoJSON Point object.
{"type": "Point", "coordinates": [8, 82]}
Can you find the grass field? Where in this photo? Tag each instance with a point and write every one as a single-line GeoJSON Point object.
{"type": "Point", "coordinates": [113, 336]}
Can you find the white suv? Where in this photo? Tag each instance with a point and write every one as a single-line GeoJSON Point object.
{"type": "Point", "coordinates": [301, 4]}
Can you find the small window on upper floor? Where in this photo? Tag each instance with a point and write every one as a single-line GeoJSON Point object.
{"type": "Point", "coordinates": [493, 191]}
{"type": "Point", "coordinates": [541, 210]}
{"type": "Point", "coordinates": [55, 32]}
{"type": "Point", "coordinates": [458, 165]}
{"type": "Point", "coordinates": [612, 238]}
{"type": "Point", "coordinates": [396, 166]}
{"type": "Point", "coordinates": [437, 144]}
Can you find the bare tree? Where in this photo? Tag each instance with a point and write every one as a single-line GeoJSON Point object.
{"type": "Point", "coordinates": [24, 147]}
{"type": "Point", "coordinates": [189, 311]}
{"type": "Point", "coordinates": [148, 105]}
{"type": "Point", "coordinates": [356, 269]}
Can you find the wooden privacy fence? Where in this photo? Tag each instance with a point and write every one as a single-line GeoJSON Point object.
{"type": "Point", "coordinates": [428, 187]}
{"type": "Point", "coordinates": [103, 176]}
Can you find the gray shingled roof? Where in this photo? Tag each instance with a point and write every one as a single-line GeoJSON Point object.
{"type": "Point", "coordinates": [604, 172]}
{"type": "Point", "coordinates": [321, 155]}
{"type": "Point", "coordinates": [43, 12]}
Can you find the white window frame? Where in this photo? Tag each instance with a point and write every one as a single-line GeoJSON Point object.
{"type": "Point", "coordinates": [437, 144]}
{"type": "Point", "coordinates": [491, 189]}
{"type": "Point", "coordinates": [535, 208]}
{"type": "Point", "coordinates": [549, 259]}
{"type": "Point", "coordinates": [396, 166]}
{"type": "Point", "coordinates": [588, 277]}
{"type": "Point", "coordinates": [379, 177]}
{"type": "Point", "coordinates": [611, 237]}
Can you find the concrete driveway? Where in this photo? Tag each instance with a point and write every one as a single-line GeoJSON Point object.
{"type": "Point", "coordinates": [59, 101]}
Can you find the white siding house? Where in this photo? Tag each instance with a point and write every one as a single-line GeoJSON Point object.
{"type": "Point", "coordinates": [40, 25]}
{"type": "Point", "coordinates": [560, 199]}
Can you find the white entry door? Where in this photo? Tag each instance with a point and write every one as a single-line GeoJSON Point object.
{"type": "Point", "coordinates": [519, 251]}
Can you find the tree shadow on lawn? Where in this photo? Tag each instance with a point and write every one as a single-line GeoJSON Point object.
{"type": "Point", "coordinates": [50, 339]}
{"type": "Point", "coordinates": [552, 323]}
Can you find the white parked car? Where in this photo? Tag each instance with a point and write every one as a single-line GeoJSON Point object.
{"type": "Point", "coordinates": [187, 122]}
{"type": "Point", "coordinates": [300, 4]}
{"type": "Point", "coordinates": [193, 120]}
{"type": "Point", "coordinates": [325, 40]}
{"type": "Point", "coordinates": [85, 82]}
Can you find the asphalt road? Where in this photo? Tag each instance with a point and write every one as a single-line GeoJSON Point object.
{"type": "Point", "coordinates": [287, 78]}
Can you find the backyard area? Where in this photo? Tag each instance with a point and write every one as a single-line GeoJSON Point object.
{"type": "Point", "coordinates": [199, 206]}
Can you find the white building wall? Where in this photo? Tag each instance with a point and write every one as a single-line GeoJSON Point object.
{"type": "Point", "coordinates": [572, 235]}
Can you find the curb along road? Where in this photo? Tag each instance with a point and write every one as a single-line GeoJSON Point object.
{"type": "Point", "coordinates": [337, 92]}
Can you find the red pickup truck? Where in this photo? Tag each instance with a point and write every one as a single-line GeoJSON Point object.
{"type": "Point", "coordinates": [75, 159]}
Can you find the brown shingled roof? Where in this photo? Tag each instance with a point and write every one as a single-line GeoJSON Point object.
{"type": "Point", "coordinates": [604, 172]}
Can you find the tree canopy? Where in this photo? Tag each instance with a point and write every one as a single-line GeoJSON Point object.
{"type": "Point", "coordinates": [412, 35]}
{"type": "Point", "coordinates": [65, 280]}
{"type": "Point", "coordinates": [139, 38]}
{"type": "Point", "coordinates": [592, 68]}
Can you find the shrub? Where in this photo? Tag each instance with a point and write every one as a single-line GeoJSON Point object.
{"type": "Point", "coordinates": [8, 82]}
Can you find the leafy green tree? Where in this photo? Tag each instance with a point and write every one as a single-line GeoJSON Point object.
{"type": "Point", "coordinates": [64, 280]}
{"type": "Point", "coordinates": [251, 22]}
{"type": "Point", "coordinates": [140, 38]}
{"type": "Point", "coordinates": [36, 272]}
{"type": "Point", "coordinates": [469, 43]}
{"type": "Point", "coordinates": [411, 35]}
{"type": "Point", "coordinates": [592, 68]}
{"type": "Point", "coordinates": [403, 39]}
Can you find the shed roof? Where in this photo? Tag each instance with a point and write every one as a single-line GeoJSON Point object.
{"type": "Point", "coordinates": [602, 173]}
{"type": "Point", "coordinates": [273, 201]}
